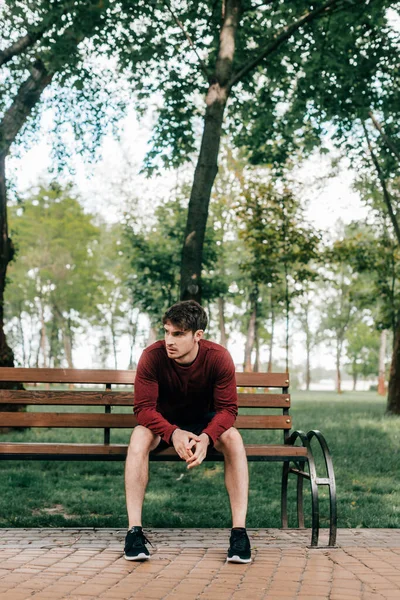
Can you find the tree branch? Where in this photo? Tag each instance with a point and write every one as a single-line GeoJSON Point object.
{"type": "Point", "coordinates": [383, 135]}
{"type": "Point", "coordinates": [189, 39]}
{"type": "Point", "coordinates": [20, 45]}
{"type": "Point", "coordinates": [386, 195]}
{"type": "Point", "coordinates": [284, 35]}
{"type": "Point", "coordinates": [26, 98]}
{"type": "Point", "coordinates": [227, 43]}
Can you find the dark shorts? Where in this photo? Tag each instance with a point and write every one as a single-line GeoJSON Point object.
{"type": "Point", "coordinates": [197, 428]}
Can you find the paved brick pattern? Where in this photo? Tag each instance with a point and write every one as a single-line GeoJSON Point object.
{"type": "Point", "coordinates": [83, 564]}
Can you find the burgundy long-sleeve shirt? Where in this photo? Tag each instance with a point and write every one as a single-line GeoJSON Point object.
{"type": "Point", "coordinates": [167, 393]}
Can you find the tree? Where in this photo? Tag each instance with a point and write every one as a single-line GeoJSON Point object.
{"type": "Point", "coordinates": [305, 310]}
{"type": "Point", "coordinates": [39, 42]}
{"type": "Point", "coordinates": [115, 310]}
{"type": "Point", "coordinates": [362, 351]}
{"type": "Point", "coordinates": [251, 60]}
{"type": "Point", "coordinates": [153, 250]}
{"type": "Point", "coordinates": [280, 244]}
{"type": "Point", "coordinates": [57, 275]}
{"type": "Point", "coordinates": [372, 250]}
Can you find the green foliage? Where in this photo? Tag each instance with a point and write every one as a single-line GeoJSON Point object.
{"type": "Point", "coordinates": [56, 276]}
{"type": "Point", "coordinates": [273, 229]}
{"type": "Point", "coordinates": [115, 314]}
{"type": "Point", "coordinates": [154, 253]}
{"type": "Point", "coordinates": [371, 251]}
{"type": "Point", "coordinates": [336, 67]}
{"type": "Point", "coordinates": [333, 72]}
{"type": "Point", "coordinates": [362, 350]}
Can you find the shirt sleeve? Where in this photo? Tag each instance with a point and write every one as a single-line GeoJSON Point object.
{"type": "Point", "coordinates": [225, 399]}
{"type": "Point", "coordinates": [146, 396]}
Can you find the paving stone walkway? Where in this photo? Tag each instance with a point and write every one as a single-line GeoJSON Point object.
{"type": "Point", "coordinates": [83, 564]}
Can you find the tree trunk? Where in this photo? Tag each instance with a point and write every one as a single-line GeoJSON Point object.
{"type": "Point", "coordinates": [221, 318]}
{"type": "Point", "coordinates": [256, 366]}
{"type": "Point", "coordinates": [287, 319]}
{"type": "Point", "coordinates": [21, 333]}
{"type": "Point", "coordinates": [152, 336]}
{"type": "Point", "coordinates": [6, 254]}
{"type": "Point", "coordinates": [132, 334]}
{"type": "Point", "coordinates": [382, 370]}
{"type": "Point", "coordinates": [14, 119]}
{"type": "Point", "coordinates": [206, 170]}
{"type": "Point", "coordinates": [308, 368]}
{"type": "Point", "coordinates": [68, 349]}
{"type": "Point", "coordinates": [43, 337]}
{"type": "Point", "coordinates": [271, 340]}
{"type": "Point", "coordinates": [251, 331]}
{"type": "Point", "coordinates": [308, 345]}
{"type": "Point", "coordinates": [114, 343]}
{"type": "Point", "coordinates": [207, 164]}
{"type": "Point", "coordinates": [393, 400]}
{"type": "Point", "coordinates": [355, 377]}
{"type": "Point", "coordinates": [338, 373]}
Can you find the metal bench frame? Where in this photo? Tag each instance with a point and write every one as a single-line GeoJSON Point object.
{"type": "Point", "coordinates": [296, 451]}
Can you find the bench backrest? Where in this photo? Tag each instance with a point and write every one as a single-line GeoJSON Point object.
{"type": "Point", "coordinates": [117, 390]}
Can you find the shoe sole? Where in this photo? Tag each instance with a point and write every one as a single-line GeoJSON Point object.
{"type": "Point", "coordinates": [142, 556]}
{"type": "Point", "coordinates": [237, 559]}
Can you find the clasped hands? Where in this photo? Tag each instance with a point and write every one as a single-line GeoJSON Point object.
{"type": "Point", "coordinates": [190, 447]}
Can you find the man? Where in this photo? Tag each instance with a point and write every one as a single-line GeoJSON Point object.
{"type": "Point", "coordinates": [185, 396]}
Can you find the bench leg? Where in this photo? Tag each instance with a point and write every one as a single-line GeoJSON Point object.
{"type": "Point", "coordinates": [301, 475]}
{"type": "Point", "coordinates": [284, 498]}
{"type": "Point", "coordinates": [284, 488]}
{"type": "Point", "coordinates": [328, 481]}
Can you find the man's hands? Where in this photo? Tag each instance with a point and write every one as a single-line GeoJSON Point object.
{"type": "Point", "coordinates": [200, 451]}
{"type": "Point", "coordinates": [184, 442]}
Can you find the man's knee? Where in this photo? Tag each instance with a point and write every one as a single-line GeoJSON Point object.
{"type": "Point", "coordinates": [230, 440]}
{"type": "Point", "coordinates": [142, 441]}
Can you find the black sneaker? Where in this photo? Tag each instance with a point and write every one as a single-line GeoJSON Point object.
{"type": "Point", "coordinates": [135, 548]}
{"type": "Point", "coordinates": [239, 546]}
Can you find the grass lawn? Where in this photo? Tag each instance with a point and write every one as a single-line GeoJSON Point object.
{"type": "Point", "coordinates": [364, 442]}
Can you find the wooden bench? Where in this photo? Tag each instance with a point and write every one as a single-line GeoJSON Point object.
{"type": "Point", "coordinates": [254, 393]}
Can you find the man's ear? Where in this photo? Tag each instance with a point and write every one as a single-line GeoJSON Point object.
{"type": "Point", "coordinates": [198, 335]}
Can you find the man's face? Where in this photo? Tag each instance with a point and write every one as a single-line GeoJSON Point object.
{"type": "Point", "coordinates": [181, 345]}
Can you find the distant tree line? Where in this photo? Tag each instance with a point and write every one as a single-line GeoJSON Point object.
{"type": "Point", "coordinates": [265, 266]}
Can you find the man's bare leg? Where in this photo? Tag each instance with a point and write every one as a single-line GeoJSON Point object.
{"type": "Point", "coordinates": [236, 474]}
{"type": "Point", "coordinates": [137, 471]}
{"type": "Point", "coordinates": [237, 483]}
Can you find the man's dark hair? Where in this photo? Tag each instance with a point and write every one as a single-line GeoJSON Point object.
{"type": "Point", "coordinates": [187, 315]}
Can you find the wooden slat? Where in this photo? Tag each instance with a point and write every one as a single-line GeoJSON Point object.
{"type": "Point", "coordinates": [121, 449]}
{"type": "Point", "coordinates": [264, 400]}
{"type": "Point", "coordinates": [37, 448]}
{"type": "Point", "coordinates": [102, 376]}
{"type": "Point", "coordinates": [67, 397]}
{"type": "Point", "coordinates": [275, 450]}
{"type": "Point", "coordinates": [85, 420]}
{"type": "Point", "coordinates": [262, 379]}
{"type": "Point", "coordinates": [84, 398]}
{"type": "Point", "coordinates": [93, 376]}
{"type": "Point", "coordinates": [48, 419]}
{"type": "Point", "coordinates": [263, 422]}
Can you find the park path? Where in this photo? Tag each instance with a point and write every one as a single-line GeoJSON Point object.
{"type": "Point", "coordinates": [189, 564]}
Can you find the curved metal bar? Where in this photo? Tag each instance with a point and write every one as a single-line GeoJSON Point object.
{"type": "Point", "coordinates": [313, 483]}
{"type": "Point", "coordinates": [284, 510]}
{"type": "Point", "coordinates": [330, 482]}
{"type": "Point", "coordinates": [300, 503]}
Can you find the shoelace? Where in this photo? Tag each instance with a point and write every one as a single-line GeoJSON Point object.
{"type": "Point", "coordinates": [239, 540]}
{"type": "Point", "coordinates": [141, 538]}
